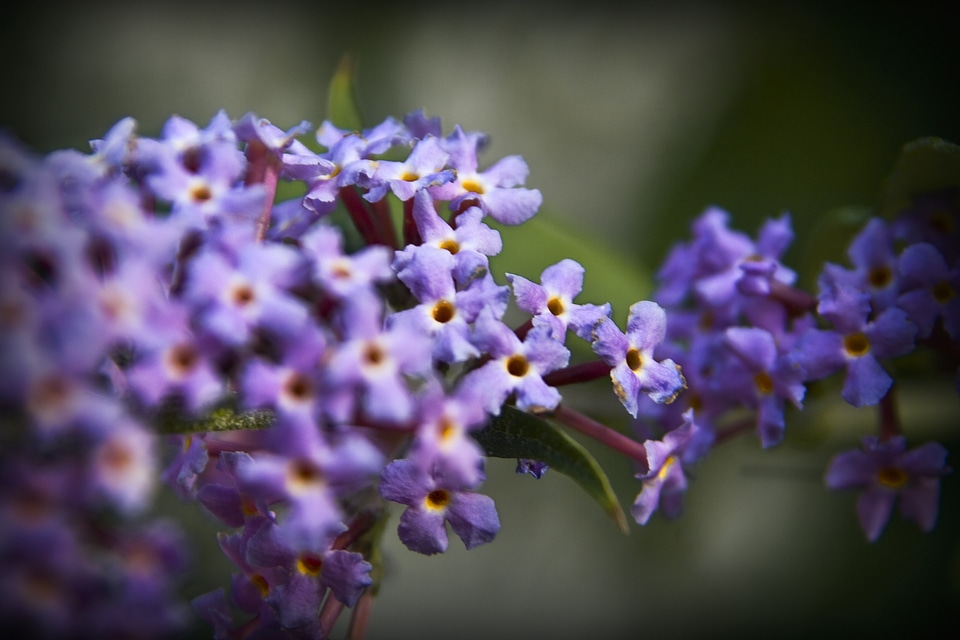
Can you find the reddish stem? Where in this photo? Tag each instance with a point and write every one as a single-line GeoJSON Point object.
{"type": "Point", "coordinates": [583, 372]}
{"type": "Point", "coordinates": [359, 526]}
{"type": "Point", "coordinates": [735, 430]}
{"type": "Point", "coordinates": [889, 416]}
{"type": "Point", "coordinates": [264, 168]}
{"type": "Point", "coordinates": [795, 300]}
{"type": "Point", "coordinates": [360, 617]}
{"type": "Point", "coordinates": [384, 222]}
{"type": "Point", "coordinates": [602, 433]}
{"type": "Point", "coordinates": [411, 234]}
{"type": "Point", "coordinates": [361, 216]}
{"type": "Point", "coordinates": [329, 613]}
{"type": "Point", "coordinates": [524, 329]}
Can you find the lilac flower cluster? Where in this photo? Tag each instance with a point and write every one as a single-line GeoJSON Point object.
{"type": "Point", "coordinates": [161, 286]}
{"type": "Point", "coordinates": [745, 336]}
{"type": "Point", "coordinates": [193, 308]}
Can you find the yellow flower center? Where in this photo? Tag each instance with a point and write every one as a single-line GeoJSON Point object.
{"type": "Point", "coordinates": [942, 292]}
{"type": "Point", "coordinates": [437, 499]}
{"type": "Point", "coordinates": [764, 383]}
{"type": "Point", "coordinates": [261, 584]}
{"type": "Point", "coordinates": [446, 428]}
{"type": "Point", "coordinates": [856, 345]}
{"type": "Point", "coordinates": [200, 193]}
{"type": "Point", "coordinates": [517, 366]}
{"type": "Point", "coordinates": [309, 565]}
{"type": "Point", "coordinates": [443, 312]}
{"type": "Point", "coordinates": [303, 475]}
{"type": "Point", "coordinates": [634, 360]}
{"type": "Point", "coordinates": [892, 477]}
{"type": "Point", "coordinates": [473, 186]}
{"type": "Point", "coordinates": [555, 306]}
{"type": "Point", "coordinates": [665, 469]}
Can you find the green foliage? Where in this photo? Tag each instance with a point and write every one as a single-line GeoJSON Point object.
{"type": "Point", "coordinates": [925, 165]}
{"type": "Point", "coordinates": [225, 417]}
{"type": "Point", "coordinates": [516, 434]}
{"type": "Point", "coordinates": [342, 108]}
{"type": "Point", "coordinates": [542, 241]}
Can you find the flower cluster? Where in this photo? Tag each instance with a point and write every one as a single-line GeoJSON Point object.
{"type": "Point", "coordinates": [295, 334]}
{"type": "Point", "coordinates": [745, 336]}
{"type": "Point", "coordinates": [163, 285]}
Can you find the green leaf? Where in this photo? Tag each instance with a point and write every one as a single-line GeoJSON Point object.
{"type": "Point", "coordinates": [516, 434]}
{"type": "Point", "coordinates": [171, 419]}
{"type": "Point", "coordinates": [542, 241]}
{"type": "Point", "coordinates": [342, 109]}
{"type": "Point", "coordinates": [828, 239]}
{"type": "Point", "coordinates": [924, 166]}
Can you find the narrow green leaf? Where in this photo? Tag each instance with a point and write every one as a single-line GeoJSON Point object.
{"type": "Point", "coordinates": [516, 434]}
{"type": "Point", "coordinates": [225, 417]}
{"type": "Point", "coordinates": [342, 108]}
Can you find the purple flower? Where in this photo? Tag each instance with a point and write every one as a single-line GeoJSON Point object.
{"type": "Point", "coordinates": [368, 370]}
{"type": "Point", "coordinates": [930, 289]}
{"type": "Point", "coordinates": [772, 379]}
{"type": "Point", "coordinates": [252, 129]}
{"type": "Point", "coordinates": [124, 467]}
{"type": "Point", "coordinates": [347, 162]}
{"type": "Point", "coordinates": [856, 344]}
{"type": "Point", "coordinates": [189, 462]}
{"type": "Point", "coordinates": [199, 172]}
{"type": "Point", "coordinates": [535, 468]}
{"type": "Point", "coordinates": [345, 573]}
{"type": "Point", "coordinates": [420, 126]}
{"type": "Point", "coordinates": [181, 367]}
{"type": "Point", "coordinates": [309, 480]}
{"type": "Point", "coordinates": [341, 275]}
{"type": "Point", "coordinates": [875, 264]}
{"type": "Point", "coordinates": [441, 314]}
{"type": "Point", "coordinates": [514, 367]}
{"type": "Point", "coordinates": [932, 217]}
{"type": "Point", "coordinates": [432, 501]}
{"type": "Point", "coordinates": [729, 263]}
{"type": "Point", "coordinates": [470, 242]}
{"type": "Point", "coordinates": [375, 140]}
{"type": "Point", "coordinates": [236, 298]}
{"type": "Point", "coordinates": [292, 386]}
{"type": "Point", "coordinates": [443, 443]}
{"type": "Point", "coordinates": [631, 355]}
{"type": "Point", "coordinates": [551, 302]}
{"type": "Point", "coordinates": [664, 481]}
{"type": "Point", "coordinates": [423, 168]}
{"type": "Point", "coordinates": [496, 190]}
{"type": "Point", "coordinates": [886, 471]}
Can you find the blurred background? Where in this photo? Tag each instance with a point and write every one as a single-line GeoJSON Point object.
{"type": "Point", "coordinates": [632, 121]}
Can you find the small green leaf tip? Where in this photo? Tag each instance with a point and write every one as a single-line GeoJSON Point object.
{"type": "Point", "coordinates": [342, 108]}
{"type": "Point", "coordinates": [516, 434]}
{"type": "Point", "coordinates": [924, 166]}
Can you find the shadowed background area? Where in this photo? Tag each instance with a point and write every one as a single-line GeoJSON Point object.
{"type": "Point", "coordinates": [631, 122]}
